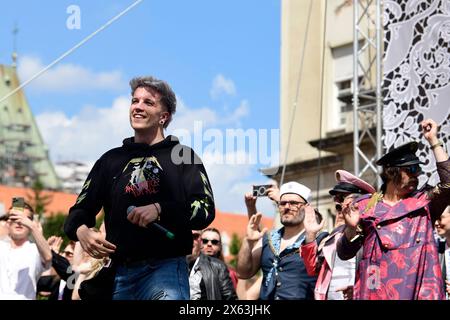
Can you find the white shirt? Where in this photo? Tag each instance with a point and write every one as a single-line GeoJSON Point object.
{"type": "Point", "coordinates": [195, 279]}
{"type": "Point", "coordinates": [62, 285]}
{"type": "Point", "coordinates": [20, 269]}
{"type": "Point", "coordinates": [343, 275]}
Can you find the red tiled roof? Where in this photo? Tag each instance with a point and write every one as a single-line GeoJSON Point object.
{"type": "Point", "coordinates": [236, 223]}
{"type": "Point", "coordinates": [59, 201]}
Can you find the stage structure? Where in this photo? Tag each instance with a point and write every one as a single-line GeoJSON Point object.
{"type": "Point", "coordinates": [367, 85]}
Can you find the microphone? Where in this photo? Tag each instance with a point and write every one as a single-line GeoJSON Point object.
{"type": "Point", "coordinates": [167, 233]}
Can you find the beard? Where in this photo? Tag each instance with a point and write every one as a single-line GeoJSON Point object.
{"type": "Point", "coordinates": [293, 219]}
{"type": "Point", "coordinates": [411, 185]}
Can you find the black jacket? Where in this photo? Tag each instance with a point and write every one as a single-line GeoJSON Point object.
{"type": "Point", "coordinates": [51, 283]}
{"type": "Point", "coordinates": [138, 174]}
{"type": "Point", "coordinates": [216, 283]}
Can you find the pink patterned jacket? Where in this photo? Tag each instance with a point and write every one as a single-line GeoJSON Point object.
{"type": "Point", "coordinates": [400, 257]}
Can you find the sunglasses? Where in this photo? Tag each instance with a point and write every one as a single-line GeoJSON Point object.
{"type": "Point", "coordinates": [213, 241]}
{"type": "Point", "coordinates": [339, 197]}
{"type": "Point", "coordinates": [413, 169]}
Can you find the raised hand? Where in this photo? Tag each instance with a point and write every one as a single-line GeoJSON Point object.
{"type": "Point", "coordinates": [55, 243]}
{"type": "Point", "coordinates": [250, 203]}
{"type": "Point", "coordinates": [273, 193]}
{"type": "Point", "coordinates": [310, 224]}
{"type": "Point", "coordinates": [21, 218]}
{"type": "Point", "coordinates": [253, 233]}
{"type": "Point", "coordinates": [351, 212]}
{"type": "Point", "coordinates": [429, 130]}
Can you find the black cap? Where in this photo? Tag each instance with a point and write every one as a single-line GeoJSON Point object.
{"type": "Point", "coordinates": [405, 155]}
{"type": "Point", "coordinates": [344, 187]}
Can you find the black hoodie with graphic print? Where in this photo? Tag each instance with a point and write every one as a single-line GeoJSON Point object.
{"type": "Point", "coordinates": [138, 174]}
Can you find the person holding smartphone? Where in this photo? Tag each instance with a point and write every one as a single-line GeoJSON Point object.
{"type": "Point", "coordinates": [277, 252]}
{"type": "Point", "coordinates": [21, 261]}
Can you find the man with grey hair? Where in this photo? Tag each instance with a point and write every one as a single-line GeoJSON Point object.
{"type": "Point", "coordinates": [277, 253]}
{"type": "Point", "coordinates": [154, 192]}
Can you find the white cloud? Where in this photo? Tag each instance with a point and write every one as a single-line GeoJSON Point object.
{"type": "Point", "coordinates": [186, 118]}
{"type": "Point", "coordinates": [231, 182]}
{"type": "Point", "coordinates": [85, 136]}
{"type": "Point", "coordinates": [222, 85]}
{"type": "Point", "coordinates": [68, 78]}
{"type": "Point", "coordinates": [240, 112]}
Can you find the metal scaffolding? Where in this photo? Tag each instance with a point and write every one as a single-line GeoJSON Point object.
{"type": "Point", "coordinates": [367, 53]}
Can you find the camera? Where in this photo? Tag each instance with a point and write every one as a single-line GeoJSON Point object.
{"type": "Point", "coordinates": [261, 190]}
{"type": "Point", "coordinates": [18, 203]}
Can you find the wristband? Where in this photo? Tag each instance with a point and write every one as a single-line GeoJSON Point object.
{"type": "Point", "coordinates": [159, 213]}
{"type": "Point", "coordinates": [438, 144]}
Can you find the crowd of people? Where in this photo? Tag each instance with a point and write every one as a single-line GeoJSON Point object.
{"type": "Point", "coordinates": [156, 244]}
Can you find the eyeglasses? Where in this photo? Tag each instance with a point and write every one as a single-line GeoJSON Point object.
{"type": "Point", "coordinates": [214, 242]}
{"type": "Point", "coordinates": [413, 169]}
{"type": "Point", "coordinates": [68, 253]}
{"type": "Point", "coordinates": [295, 204]}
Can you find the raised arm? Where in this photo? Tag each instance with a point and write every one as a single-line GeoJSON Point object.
{"type": "Point", "coordinates": [348, 245]}
{"type": "Point", "coordinates": [440, 196]}
{"type": "Point", "coordinates": [249, 257]}
{"type": "Point", "coordinates": [309, 248]}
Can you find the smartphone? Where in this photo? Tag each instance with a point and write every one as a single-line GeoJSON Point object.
{"type": "Point", "coordinates": [261, 190]}
{"type": "Point", "coordinates": [18, 203]}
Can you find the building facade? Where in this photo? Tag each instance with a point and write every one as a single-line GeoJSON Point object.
{"type": "Point", "coordinates": [316, 96]}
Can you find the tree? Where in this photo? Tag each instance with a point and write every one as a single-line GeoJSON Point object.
{"type": "Point", "coordinates": [235, 245]}
{"type": "Point", "coordinates": [38, 200]}
{"type": "Point", "coordinates": [54, 226]}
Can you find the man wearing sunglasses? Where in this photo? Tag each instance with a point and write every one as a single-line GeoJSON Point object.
{"type": "Point", "coordinates": [209, 278]}
{"type": "Point", "coordinates": [277, 253]}
{"type": "Point", "coordinates": [395, 227]}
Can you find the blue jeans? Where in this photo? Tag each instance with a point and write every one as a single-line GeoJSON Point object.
{"type": "Point", "coordinates": [166, 279]}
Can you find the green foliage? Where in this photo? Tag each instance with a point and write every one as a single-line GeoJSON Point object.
{"type": "Point", "coordinates": [37, 199]}
{"type": "Point", "coordinates": [54, 226]}
{"type": "Point", "coordinates": [235, 245]}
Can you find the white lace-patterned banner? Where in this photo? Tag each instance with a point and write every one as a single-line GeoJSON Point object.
{"type": "Point", "coordinates": [416, 79]}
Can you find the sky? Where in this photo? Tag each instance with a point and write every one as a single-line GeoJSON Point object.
{"type": "Point", "coordinates": [221, 58]}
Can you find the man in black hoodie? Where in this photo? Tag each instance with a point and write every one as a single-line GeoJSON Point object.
{"type": "Point", "coordinates": [148, 183]}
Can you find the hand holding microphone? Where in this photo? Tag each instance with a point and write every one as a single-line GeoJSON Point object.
{"type": "Point", "coordinates": [141, 218]}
